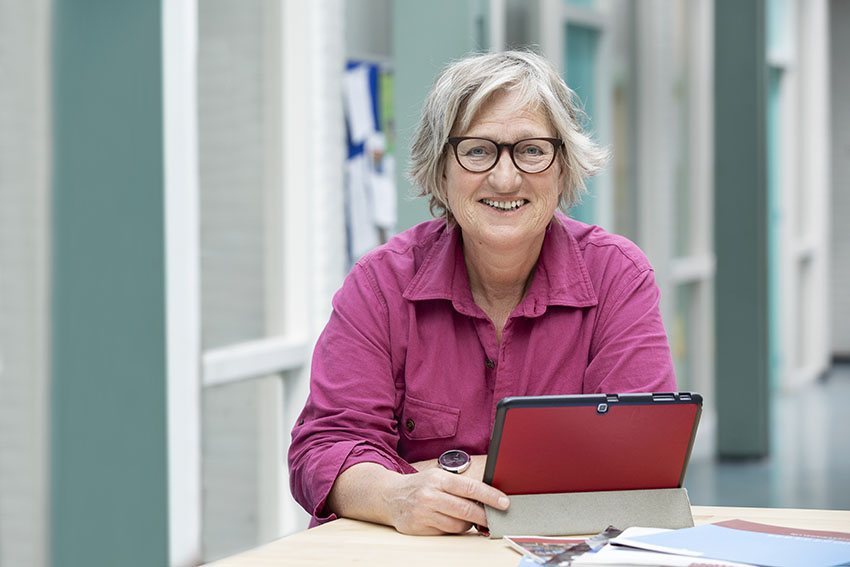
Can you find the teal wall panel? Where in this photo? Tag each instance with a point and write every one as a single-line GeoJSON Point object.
{"type": "Point", "coordinates": [108, 472]}
{"type": "Point", "coordinates": [581, 46]}
{"type": "Point", "coordinates": [426, 37]}
{"type": "Point", "coordinates": [741, 232]}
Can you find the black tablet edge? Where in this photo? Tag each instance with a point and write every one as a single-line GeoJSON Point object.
{"type": "Point", "coordinates": [697, 399]}
{"type": "Point", "coordinates": [495, 439]}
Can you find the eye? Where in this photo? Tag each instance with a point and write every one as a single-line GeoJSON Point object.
{"type": "Point", "coordinates": [477, 151]}
{"type": "Point", "coordinates": [530, 149]}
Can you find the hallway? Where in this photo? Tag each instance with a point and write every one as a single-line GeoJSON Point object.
{"type": "Point", "coordinates": [809, 464]}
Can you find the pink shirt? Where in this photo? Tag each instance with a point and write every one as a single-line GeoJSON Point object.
{"type": "Point", "coordinates": [409, 366]}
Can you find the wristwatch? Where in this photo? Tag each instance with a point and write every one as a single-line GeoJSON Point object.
{"type": "Point", "coordinates": [454, 461]}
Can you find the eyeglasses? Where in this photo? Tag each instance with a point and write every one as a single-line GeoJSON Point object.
{"type": "Point", "coordinates": [530, 155]}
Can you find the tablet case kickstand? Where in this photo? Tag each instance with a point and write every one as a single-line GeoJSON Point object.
{"type": "Point", "coordinates": [576, 513]}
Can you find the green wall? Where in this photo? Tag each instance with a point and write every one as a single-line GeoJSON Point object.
{"type": "Point", "coordinates": [580, 52]}
{"type": "Point", "coordinates": [108, 500]}
{"type": "Point", "coordinates": [426, 37]}
{"type": "Point", "coordinates": [740, 212]}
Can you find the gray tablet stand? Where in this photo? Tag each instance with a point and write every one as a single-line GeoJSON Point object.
{"type": "Point", "coordinates": [588, 513]}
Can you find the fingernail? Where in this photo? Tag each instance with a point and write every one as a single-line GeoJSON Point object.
{"type": "Point", "coordinates": [504, 502]}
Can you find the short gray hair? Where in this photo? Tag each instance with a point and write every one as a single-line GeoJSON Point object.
{"type": "Point", "coordinates": [465, 86]}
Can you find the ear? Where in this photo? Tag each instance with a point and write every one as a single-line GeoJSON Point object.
{"type": "Point", "coordinates": [444, 177]}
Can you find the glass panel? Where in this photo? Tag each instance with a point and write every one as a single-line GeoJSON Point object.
{"type": "Point", "coordinates": [623, 124]}
{"type": "Point", "coordinates": [685, 215]}
{"type": "Point", "coordinates": [231, 151]}
{"type": "Point", "coordinates": [232, 463]}
{"type": "Point", "coordinates": [777, 25]}
{"type": "Point", "coordinates": [682, 335]}
{"type": "Point", "coordinates": [582, 45]}
{"type": "Point", "coordinates": [774, 225]}
{"type": "Point", "coordinates": [235, 138]}
{"type": "Point", "coordinates": [481, 25]}
{"type": "Point", "coordinates": [805, 320]}
{"type": "Point", "coordinates": [625, 192]}
{"type": "Point", "coordinates": [229, 456]}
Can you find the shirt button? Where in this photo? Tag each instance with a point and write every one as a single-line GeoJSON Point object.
{"type": "Point", "coordinates": [409, 424]}
{"type": "Point", "coordinates": [491, 364]}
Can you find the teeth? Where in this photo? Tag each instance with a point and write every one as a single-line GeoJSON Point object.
{"type": "Point", "coordinates": [504, 205]}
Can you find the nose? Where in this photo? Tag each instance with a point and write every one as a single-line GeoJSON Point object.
{"type": "Point", "coordinates": [505, 176]}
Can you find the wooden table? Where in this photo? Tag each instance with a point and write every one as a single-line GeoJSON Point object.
{"type": "Point", "coordinates": [350, 542]}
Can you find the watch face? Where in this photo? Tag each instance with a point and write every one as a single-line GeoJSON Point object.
{"type": "Point", "coordinates": [455, 461]}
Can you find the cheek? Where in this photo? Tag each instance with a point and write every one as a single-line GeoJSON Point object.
{"type": "Point", "coordinates": [550, 190]}
{"type": "Point", "coordinates": [557, 185]}
{"type": "Point", "coordinates": [456, 186]}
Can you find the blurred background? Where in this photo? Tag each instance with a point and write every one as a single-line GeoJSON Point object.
{"type": "Point", "coordinates": [184, 184]}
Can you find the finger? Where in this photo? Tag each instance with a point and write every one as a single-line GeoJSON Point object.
{"type": "Point", "coordinates": [475, 490]}
{"type": "Point", "coordinates": [463, 509]}
{"type": "Point", "coordinates": [450, 525]}
{"type": "Point", "coordinates": [436, 513]}
{"type": "Point", "coordinates": [439, 500]}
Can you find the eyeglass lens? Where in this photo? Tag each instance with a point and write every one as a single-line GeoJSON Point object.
{"type": "Point", "coordinates": [480, 154]}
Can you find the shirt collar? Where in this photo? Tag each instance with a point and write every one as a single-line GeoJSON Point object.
{"type": "Point", "coordinates": [561, 276]}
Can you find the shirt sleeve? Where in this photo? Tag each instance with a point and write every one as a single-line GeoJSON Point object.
{"type": "Point", "coordinates": [349, 416]}
{"type": "Point", "coordinates": [630, 351]}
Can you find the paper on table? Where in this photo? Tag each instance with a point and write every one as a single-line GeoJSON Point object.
{"type": "Point", "coordinates": [617, 555]}
{"type": "Point", "coordinates": [750, 542]}
{"type": "Point", "coordinates": [624, 557]}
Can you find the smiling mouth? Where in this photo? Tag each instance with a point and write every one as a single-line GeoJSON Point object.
{"type": "Point", "coordinates": [504, 205]}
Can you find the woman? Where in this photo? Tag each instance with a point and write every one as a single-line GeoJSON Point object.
{"type": "Point", "coordinates": [502, 296]}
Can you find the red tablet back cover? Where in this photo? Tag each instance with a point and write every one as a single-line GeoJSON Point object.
{"type": "Point", "coordinates": [574, 448]}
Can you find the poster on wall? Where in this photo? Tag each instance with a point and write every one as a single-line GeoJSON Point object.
{"type": "Point", "coordinates": [370, 190]}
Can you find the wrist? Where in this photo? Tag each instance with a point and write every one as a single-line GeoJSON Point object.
{"type": "Point", "coordinates": [363, 491]}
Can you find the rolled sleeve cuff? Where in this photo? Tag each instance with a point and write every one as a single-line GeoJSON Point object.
{"type": "Point", "coordinates": [349, 454]}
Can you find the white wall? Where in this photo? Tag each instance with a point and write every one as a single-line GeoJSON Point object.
{"type": "Point", "coordinates": [368, 29]}
{"type": "Point", "coordinates": [24, 299]}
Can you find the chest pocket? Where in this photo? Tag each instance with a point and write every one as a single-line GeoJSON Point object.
{"type": "Point", "coordinates": [422, 420]}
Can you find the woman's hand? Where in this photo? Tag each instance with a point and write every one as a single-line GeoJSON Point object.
{"type": "Point", "coordinates": [429, 502]}
{"type": "Point", "coordinates": [435, 501]}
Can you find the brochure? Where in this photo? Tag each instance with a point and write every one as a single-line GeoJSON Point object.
{"type": "Point", "coordinates": [540, 549]}
{"type": "Point", "coordinates": [749, 542]}
{"type": "Point", "coordinates": [556, 552]}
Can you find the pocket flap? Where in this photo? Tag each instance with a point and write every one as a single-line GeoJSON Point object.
{"type": "Point", "coordinates": [422, 420]}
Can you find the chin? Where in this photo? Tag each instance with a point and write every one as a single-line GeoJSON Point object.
{"type": "Point", "coordinates": [510, 238]}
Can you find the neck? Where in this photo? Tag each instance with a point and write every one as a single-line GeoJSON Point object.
{"type": "Point", "coordinates": [500, 277]}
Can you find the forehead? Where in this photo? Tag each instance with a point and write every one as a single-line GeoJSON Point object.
{"type": "Point", "coordinates": [507, 112]}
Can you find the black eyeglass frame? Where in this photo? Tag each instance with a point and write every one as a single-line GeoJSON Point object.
{"type": "Point", "coordinates": [455, 140]}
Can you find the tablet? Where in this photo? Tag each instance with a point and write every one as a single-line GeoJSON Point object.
{"type": "Point", "coordinates": [592, 442]}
